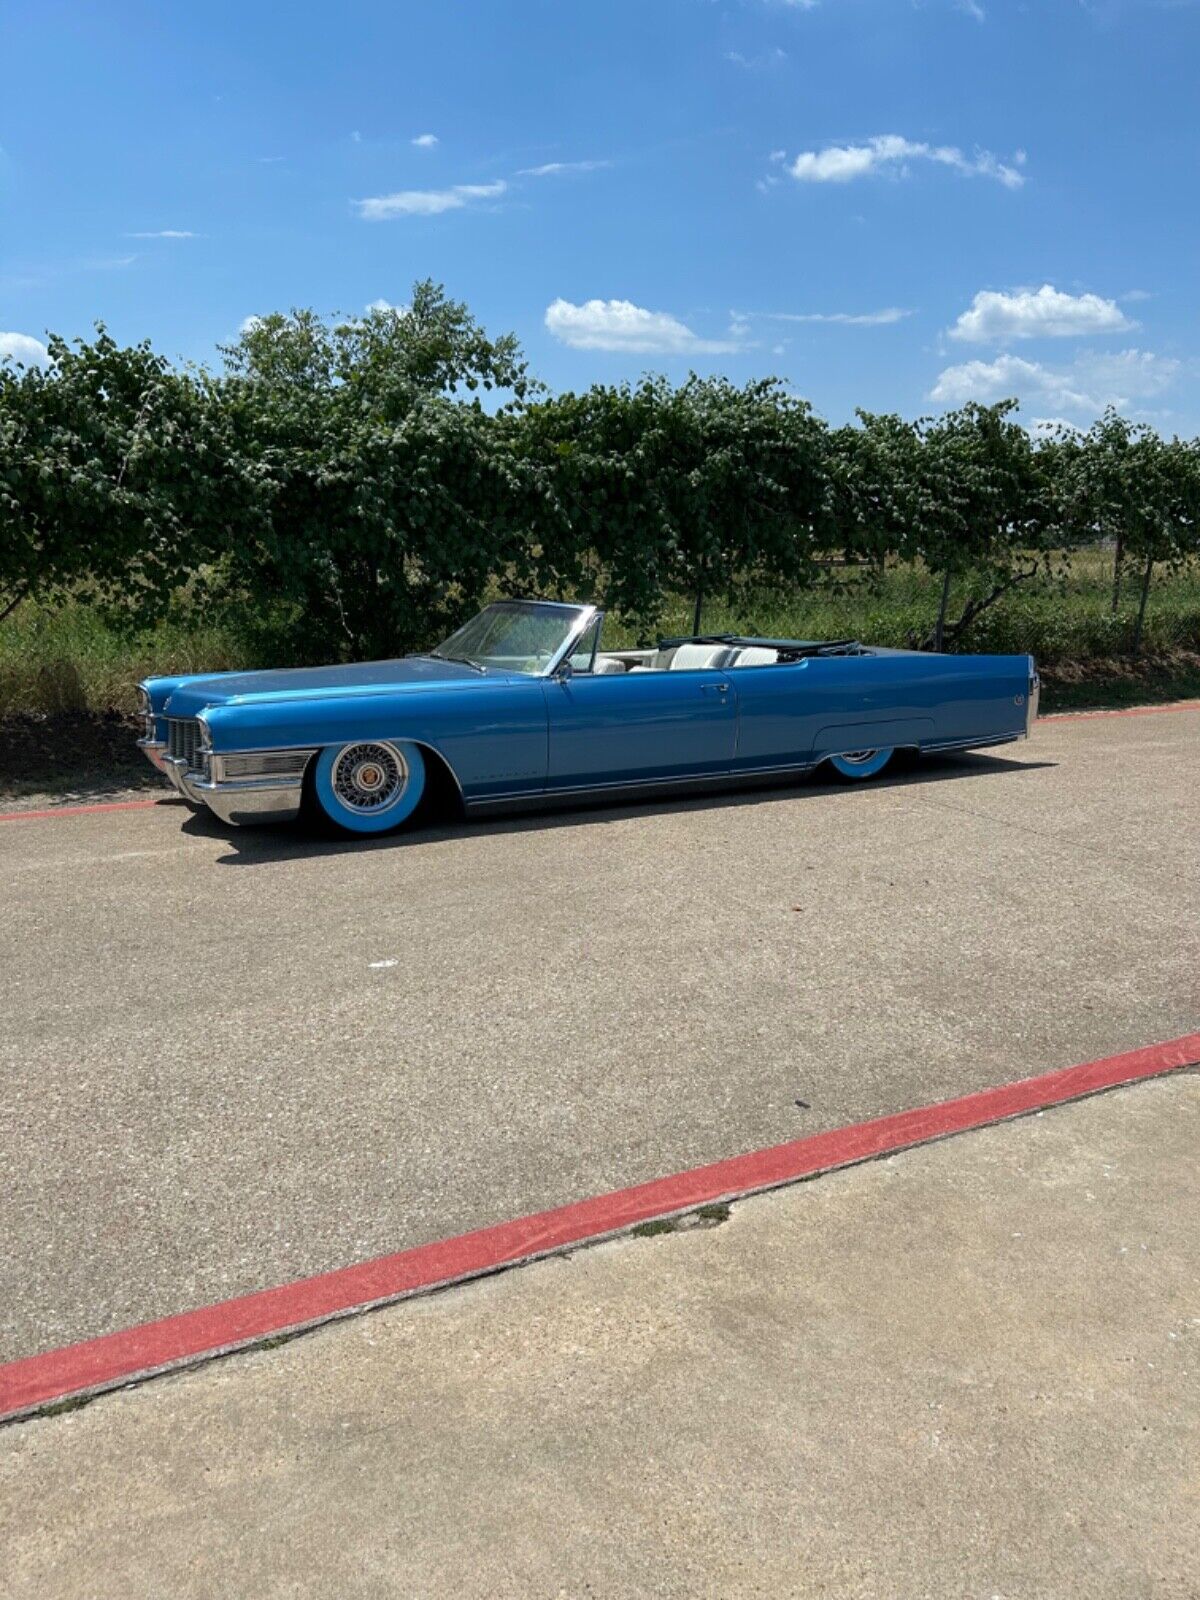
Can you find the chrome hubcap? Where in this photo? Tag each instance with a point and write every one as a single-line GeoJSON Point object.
{"type": "Point", "coordinates": [858, 757]}
{"type": "Point", "coordinates": [369, 777]}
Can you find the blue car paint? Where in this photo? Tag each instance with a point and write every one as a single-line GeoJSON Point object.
{"type": "Point", "coordinates": [797, 713]}
{"type": "Point", "coordinates": [639, 726]}
{"type": "Point", "coordinates": [508, 736]}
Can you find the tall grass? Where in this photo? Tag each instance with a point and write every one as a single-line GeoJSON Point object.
{"type": "Point", "coordinates": [64, 658]}
{"type": "Point", "coordinates": [55, 659]}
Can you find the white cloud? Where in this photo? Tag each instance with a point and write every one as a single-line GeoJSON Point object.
{"type": "Point", "coordinates": [1087, 385]}
{"type": "Point", "coordinates": [759, 63]}
{"type": "Point", "coordinates": [387, 305]}
{"type": "Point", "coordinates": [840, 163]}
{"type": "Point", "coordinates": [165, 233]}
{"type": "Point", "coordinates": [426, 202]}
{"type": "Point", "coordinates": [856, 319]}
{"type": "Point", "coordinates": [620, 325]}
{"type": "Point", "coordinates": [426, 141]}
{"type": "Point", "coordinates": [1007, 375]}
{"type": "Point", "coordinates": [972, 9]}
{"type": "Point", "coordinates": [23, 348]}
{"type": "Point", "coordinates": [1035, 314]}
{"type": "Point", "coordinates": [248, 324]}
{"type": "Point", "coordinates": [555, 169]}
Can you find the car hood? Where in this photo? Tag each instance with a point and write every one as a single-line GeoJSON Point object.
{"type": "Point", "coordinates": [193, 695]}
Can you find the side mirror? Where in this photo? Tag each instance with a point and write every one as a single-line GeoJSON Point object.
{"type": "Point", "coordinates": [565, 670]}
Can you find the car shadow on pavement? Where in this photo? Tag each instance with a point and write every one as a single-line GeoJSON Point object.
{"type": "Point", "coordinates": [291, 842]}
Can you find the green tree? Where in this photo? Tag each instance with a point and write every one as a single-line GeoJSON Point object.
{"type": "Point", "coordinates": [385, 503]}
{"type": "Point", "coordinates": [875, 482]}
{"type": "Point", "coordinates": [1121, 482]}
{"type": "Point", "coordinates": [699, 488]}
{"type": "Point", "coordinates": [114, 476]}
{"type": "Point", "coordinates": [982, 511]}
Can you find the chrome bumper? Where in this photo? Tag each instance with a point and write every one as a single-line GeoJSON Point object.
{"type": "Point", "coordinates": [252, 799]}
{"type": "Point", "coordinates": [176, 769]}
{"type": "Point", "coordinates": [155, 752]}
{"type": "Point", "coordinates": [238, 800]}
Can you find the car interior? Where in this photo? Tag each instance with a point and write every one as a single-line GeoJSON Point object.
{"type": "Point", "coordinates": [677, 658]}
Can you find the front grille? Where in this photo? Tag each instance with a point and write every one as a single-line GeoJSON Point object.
{"type": "Point", "coordinates": [183, 739]}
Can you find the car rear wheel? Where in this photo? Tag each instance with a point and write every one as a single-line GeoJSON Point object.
{"type": "Point", "coordinates": [858, 764]}
{"type": "Point", "coordinates": [372, 786]}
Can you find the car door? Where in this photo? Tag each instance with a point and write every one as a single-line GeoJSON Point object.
{"type": "Point", "coordinates": [637, 727]}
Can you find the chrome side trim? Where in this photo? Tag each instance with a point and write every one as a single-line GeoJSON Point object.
{"type": "Point", "coordinates": [714, 780]}
{"type": "Point", "coordinates": [631, 785]}
{"type": "Point", "coordinates": [971, 744]}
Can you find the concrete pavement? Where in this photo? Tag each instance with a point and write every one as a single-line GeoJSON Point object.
{"type": "Point", "coordinates": [971, 1370]}
{"type": "Point", "coordinates": [232, 1059]}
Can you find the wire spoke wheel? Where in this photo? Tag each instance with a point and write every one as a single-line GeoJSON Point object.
{"type": "Point", "coordinates": [371, 786]}
{"type": "Point", "coordinates": [369, 777]}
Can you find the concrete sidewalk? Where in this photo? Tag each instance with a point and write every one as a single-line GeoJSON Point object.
{"type": "Point", "coordinates": [969, 1370]}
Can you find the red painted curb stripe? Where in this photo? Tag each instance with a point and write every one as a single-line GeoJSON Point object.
{"type": "Point", "coordinates": [1123, 711]}
{"type": "Point", "coordinates": [77, 811]}
{"type": "Point", "coordinates": [157, 1346]}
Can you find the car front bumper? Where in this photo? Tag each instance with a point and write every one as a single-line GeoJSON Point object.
{"type": "Point", "coordinates": [155, 752]}
{"type": "Point", "coordinates": [250, 800]}
{"type": "Point", "coordinates": [262, 799]}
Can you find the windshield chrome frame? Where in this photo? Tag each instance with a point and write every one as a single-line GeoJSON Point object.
{"type": "Point", "coordinates": [587, 616]}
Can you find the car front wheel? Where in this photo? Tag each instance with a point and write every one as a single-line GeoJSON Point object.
{"type": "Point", "coordinates": [372, 786]}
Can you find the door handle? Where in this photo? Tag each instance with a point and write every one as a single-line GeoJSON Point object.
{"type": "Point", "coordinates": [714, 688]}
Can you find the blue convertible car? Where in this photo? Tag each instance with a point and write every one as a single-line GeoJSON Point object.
{"type": "Point", "coordinates": [522, 706]}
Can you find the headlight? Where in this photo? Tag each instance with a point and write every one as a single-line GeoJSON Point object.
{"type": "Point", "coordinates": [146, 712]}
{"type": "Point", "coordinates": [204, 749]}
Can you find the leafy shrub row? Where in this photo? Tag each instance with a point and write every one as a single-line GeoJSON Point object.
{"type": "Point", "coordinates": [345, 484]}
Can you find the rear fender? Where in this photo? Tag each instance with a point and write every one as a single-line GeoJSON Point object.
{"type": "Point", "coordinates": [840, 738]}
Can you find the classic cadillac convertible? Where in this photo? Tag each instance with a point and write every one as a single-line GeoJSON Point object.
{"type": "Point", "coordinates": [521, 706]}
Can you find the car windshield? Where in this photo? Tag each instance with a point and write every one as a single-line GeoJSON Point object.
{"type": "Point", "coordinates": [512, 635]}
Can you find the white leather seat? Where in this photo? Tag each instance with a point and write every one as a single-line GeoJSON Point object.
{"type": "Point", "coordinates": [692, 657]}
{"type": "Point", "coordinates": [606, 665]}
{"type": "Point", "coordinates": [686, 658]}
{"type": "Point", "coordinates": [755, 655]}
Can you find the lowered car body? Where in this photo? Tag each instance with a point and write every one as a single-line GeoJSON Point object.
{"type": "Point", "coordinates": [522, 706]}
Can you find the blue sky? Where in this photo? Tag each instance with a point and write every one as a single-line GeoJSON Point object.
{"type": "Point", "coordinates": [899, 204]}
